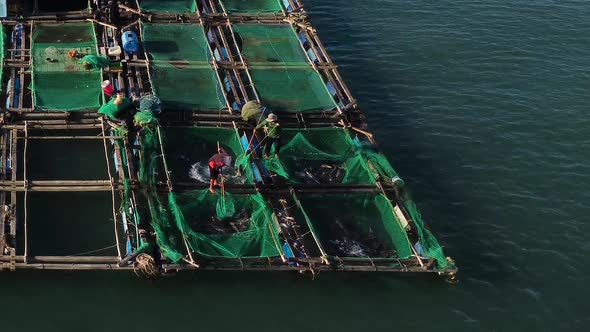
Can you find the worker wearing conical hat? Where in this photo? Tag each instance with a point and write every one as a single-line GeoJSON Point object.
{"type": "Point", "coordinates": [272, 128]}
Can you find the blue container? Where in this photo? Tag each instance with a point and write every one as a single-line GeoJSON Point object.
{"type": "Point", "coordinates": [287, 6]}
{"type": "Point", "coordinates": [130, 42]}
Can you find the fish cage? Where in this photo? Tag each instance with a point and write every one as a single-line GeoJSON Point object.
{"type": "Point", "coordinates": [112, 111]}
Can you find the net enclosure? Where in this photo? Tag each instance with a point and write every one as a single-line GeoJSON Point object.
{"type": "Point", "coordinates": [280, 69]}
{"type": "Point", "coordinates": [60, 82]}
{"type": "Point", "coordinates": [225, 225]}
{"type": "Point", "coordinates": [292, 89]}
{"type": "Point", "coordinates": [181, 74]}
{"type": "Point", "coordinates": [370, 225]}
{"type": "Point", "coordinates": [252, 6]}
{"type": "Point", "coordinates": [270, 43]}
{"type": "Point", "coordinates": [320, 156]}
{"type": "Point", "coordinates": [242, 225]}
{"type": "Point", "coordinates": [188, 162]}
{"type": "Point", "coordinates": [212, 225]}
{"type": "Point", "coordinates": [364, 225]}
{"type": "Point", "coordinates": [169, 6]}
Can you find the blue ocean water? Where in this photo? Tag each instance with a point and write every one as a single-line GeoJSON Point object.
{"type": "Point", "coordinates": [481, 106]}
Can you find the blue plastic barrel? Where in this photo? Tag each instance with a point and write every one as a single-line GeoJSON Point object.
{"type": "Point", "coordinates": [303, 39]}
{"type": "Point", "coordinates": [287, 6]}
{"type": "Point", "coordinates": [236, 107]}
{"type": "Point", "coordinates": [227, 83]}
{"type": "Point", "coordinates": [210, 36]}
{"type": "Point", "coordinates": [312, 56]}
{"type": "Point", "coordinates": [130, 42]}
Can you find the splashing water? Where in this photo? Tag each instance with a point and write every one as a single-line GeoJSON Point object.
{"type": "Point", "coordinates": [200, 172]}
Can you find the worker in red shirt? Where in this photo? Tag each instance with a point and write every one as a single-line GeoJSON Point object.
{"type": "Point", "coordinates": [216, 163]}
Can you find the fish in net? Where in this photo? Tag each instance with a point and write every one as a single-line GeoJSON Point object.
{"type": "Point", "coordinates": [349, 241]}
{"type": "Point", "coordinates": [237, 223]}
{"type": "Point", "coordinates": [319, 172]}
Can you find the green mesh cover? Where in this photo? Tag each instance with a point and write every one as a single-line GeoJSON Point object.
{"type": "Point", "coordinates": [322, 144]}
{"type": "Point", "coordinates": [61, 83]}
{"type": "Point", "coordinates": [270, 44]}
{"type": "Point", "coordinates": [176, 42]}
{"type": "Point", "coordinates": [364, 222]}
{"type": "Point", "coordinates": [378, 163]}
{"type": "Point", "coordinates": [187, 87]}
{"type": "Point", "coordinates": [252, 6]}
{"type": "Point", "coordinates": [428, 241]}
{"type": "Point", "coordinates": [203, 144]}
{"type": "Point", "coordinates": [181, 74]}
{"type": "Point", "coordinates": [192, 209]}
{"type": "Point", "coordinates": [169, 6]}
{"type": "Point", "coordinates": [292, 89]}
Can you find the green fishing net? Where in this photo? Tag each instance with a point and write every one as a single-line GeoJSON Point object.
{"type": "Point", "coordinates": [95, 61]}
{"type": "Point", "coordinates": [169, 6]}
{"type": "Point", "coordinates": [310, 152]}
{"type": "Point", "coordinates": [145, 118]}
{"type": "Point", "coordinates": [252, 6]}
{"type": "Point", "coordinates": [270, 44]}
{"type": "Point", "coordinates": [60, 82]}
{"type": "Point", "coordinates": [114, 111]}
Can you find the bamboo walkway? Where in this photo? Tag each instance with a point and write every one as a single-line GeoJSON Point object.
{"type": "Point", "coordinates": [22, 124]}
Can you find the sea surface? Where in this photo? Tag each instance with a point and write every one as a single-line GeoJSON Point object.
{"type": "Point", "coordinates": [482, 107]}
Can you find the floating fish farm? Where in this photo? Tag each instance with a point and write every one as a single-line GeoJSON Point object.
{"type": "Point", "coordinates": [85, 185]}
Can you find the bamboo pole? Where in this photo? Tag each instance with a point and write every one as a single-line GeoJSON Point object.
{"type": "Point", "coordinates": [25, 186]}
{"type": "Point", "coordinates": [102, 23]}
{"type": "Point", "coordinates": [315, 238]}
{"type": "Point", "coordinates": [168, 180]}
{"type": "Point", "coordinates": [219, 80]}
{"type": "Point", "coordinates": [3, 193]}
{"type": "Point", "coordinates": [106, 154]}
{"type": "Point", "coordinates": [231, 59]}
{"type": "Point", "coordinates": [244, 62]}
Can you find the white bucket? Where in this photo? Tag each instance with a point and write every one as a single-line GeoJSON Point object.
{"type": "Point", "coordinates": [115, 51]}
